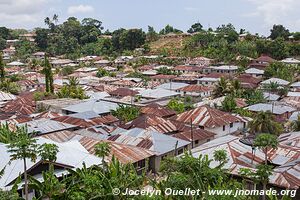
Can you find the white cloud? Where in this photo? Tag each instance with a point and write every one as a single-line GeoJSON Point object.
{"type": "Point", "coordinates": [80, 9]}
{"type": "Point", "coordinates": [14, 13]}
{"type": "Point", "coordinates": [276, 11]}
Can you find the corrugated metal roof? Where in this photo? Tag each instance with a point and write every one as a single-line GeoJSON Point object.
{"type": "Point", "coordinates": [241, 156]}
{"type": "Point", "coordinates": [152, 122]}
{"type": "Point", "coordinates": [6, 96]}
{"type": "Point", "coordinates": [148, 139]}
{"type": "Point", "coordinates": [44, 125]}
{"type": "Point", "coordinates": [208, 117]}
{"type": "Point", "coordinates": [71, 154]}
{"type": "Point", "coordinates": [157, 110]}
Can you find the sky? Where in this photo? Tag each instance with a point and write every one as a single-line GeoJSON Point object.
{"type": "Point", "coordinates": [256, 16]}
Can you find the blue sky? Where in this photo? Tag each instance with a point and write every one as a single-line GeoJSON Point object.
{"type": "Point", "coordinates": [256, 16]}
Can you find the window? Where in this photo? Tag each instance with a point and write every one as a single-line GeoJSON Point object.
{"type": "Point", "coordinates": [224, 128]}
{"type": "Point", "coordinates": [141, 163]}
{"type": "Point", "coordinates": [197, 142]}
{"type": "Point", "coordinates": [231, 125]}
{"type": "Point", "coordinates": [180, 151]}
{"type": "Point", "coordinates": [207, 140]}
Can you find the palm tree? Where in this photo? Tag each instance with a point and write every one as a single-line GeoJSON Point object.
{"type": "Point", "coordinates": [296, 124]}
{"type": "Point", "coordinates": [263, 123]}
{"type": "Point", "coordinates": [48, 153]}
{"type": "Point", "coordinates": [49, 188]}
{"type": "Point", "coordinates": [265, 142]}
{"type": "Point", "coordinates": [221, 88]}
{"type": "Point", "coordinates": [23, 146]}
{"type": "Point", "coordinates": [2, 71]}
{"type": "Point", "coordinates": [126, 113]}
{"type": "Point", "coordinates": [102, 150]}
{"type": "Point", "coordinates": [6, 135]}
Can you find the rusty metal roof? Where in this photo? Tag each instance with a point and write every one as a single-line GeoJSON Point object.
{"type": "Point", "coordinates": [198, 134]}
{"type": "Point", "coordinates": [157, 110]}
{"type": "Point", "coordinates": [287, 172]}
{"type": "Point", "coordinates": [152, 122]}
{"type": "Point", "coordinates": [196, 88]}
{"type": "Point", "coordinates": [124, 153]}
{"type": "Point", "coordinates": [123, 92]}
{"type": "Point", "coordinates": [151, 140]}
{"type": "Point", "coordinates": [207, 117]}
{"type": "Point", "coordinates": [86, 123]}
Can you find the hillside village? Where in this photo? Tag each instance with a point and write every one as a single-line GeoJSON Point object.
{"type": "Point", "coordinates": [145, 108]}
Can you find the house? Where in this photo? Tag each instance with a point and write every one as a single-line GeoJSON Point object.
{"type": "Point", "coordinates": [151, 122]}
{"type": "Point", "coordinates": [291, 61]}
{"type": "Point", "coordinates": [278, 81]}
{"type": "Point", "coordinates": [257, 73]}
{"type": "Point", "coordinates": [124, 153]}
{"type": "Point", "coordinates": [213, 120]}
{"type": "Point", "coordinates": [248, 81]}
{"type": "Point", "coordinates": [71, 155]}
{"type": "Point", "coordinates": [102, 63]}
{"type": "Point", "coordinates": [163, 78]}
{"type": "Point", "coordinates": [44, 126]}
{"type": "Point", "coordinates": [60, 62]}
{"type": "Point", "coordinates": [208, 81]}
{"type": "Point", "coordinates": [10, 51]}
{"type": "Point", "coordinates": [284, 159]}
{"type": "Point", "coordinates": [27, 85]}
{"type": "Point", "coordinates": [280, 112]}
{"type": "Point", "coordinates": [174, 86]}
{"type": "Point", "coordinates": [123, 92]}
{"type": "Point", "coordinates": [28, 36]}
{"type": "Point", "coordinates": [5, 97]}
{"type": "Point", "coordinates": [188, 78]}
{"type": "Point", "coordinates": [98, 106]}
{"type": "Point", "coordinates": [295, 86]}
{"type": "Point", "coordinates": [200, 61]}
{"type": "Point", "coordinates": [196, 136]}
{"type": "Point", "coordinates": [163, 145]}
{"type": "Point", "coordinates": [187, 69]}
{"type": "Point", "coordinates": [261, 62]}
{"type": "Point", "coordinates": [196, 91]}
{"type": "Point", "coordinates": [15, 64]}
{"type": "Point", "coordinates": [157, 110]}
{"type": "Point", "coordinates": [38, 55]}
{"type": "Point", "coordinates": [224, 69]}
{"type": "Point", "coordinates": [57, 105]}
{"type": "Point", "coordinates": [157, 93]}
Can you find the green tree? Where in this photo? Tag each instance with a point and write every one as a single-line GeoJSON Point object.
{"type": "Point", "coordinates": [264, 122]}
{"type": "Point", "coordinates": [47, 70]}
{"type": "Point", "coordinates": [6, 135]}
{"type": "Point", "coordinates": [177, 105]}
{"type": "Point", "coordinates": [126, 113]}
{"type": "Point", "coordinates": [2, 71]}
{"type": "Point", "coordinates": [48, 153]}
{"type": "Point", "coordinates": [221, 88]}
{"type": "Point", "coordinates": [221, 157]}
{"type": "Point", "coordinates": [266, 142]}
{"type": "Point", "coordinates": [169, 29]}
{"type": "Point", "coordinates": [229, 104]}
{"type": "Point", "coordinates": [72, 90]}
{"type": "Point", "coordinates": [279, 31]}
{"type": "Point", "coordinates": [151, 34]}
{"type": "Point", "coordinates": [23, 147]}
{"type": "Point", "coordinates": [197, 27]}
{"type": "Point", "coordinates": [102, 149]}
{"type": "Point", "coordinates": [296, 124]}
{"type": "Point", "coordinates": [49, 188]}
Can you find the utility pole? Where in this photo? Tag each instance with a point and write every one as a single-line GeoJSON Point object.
{"type": "Point", "coordinates": [192, 134]}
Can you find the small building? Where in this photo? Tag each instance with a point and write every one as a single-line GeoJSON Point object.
{"type": "Point", "coordinates": [208, 81]}
{"type": "Point", "coordinates": [38, 55]}
{"type": "Point", "coordinates": [224, 69]}
{"type": "Point", "coordinates": [196, 91]}
{"type": "Point", "coordinates": [291, 61]}
{"type": "Point", "coordinates": [278, 81]}
{"type": "Point", "coordinates": [257, 73]}
{"type": "Point", "coordinates": [163, 78]}
{"type": "Point", "coordinates": [281, 112]}
{"type": "Point", "coordinates": [213, 120]}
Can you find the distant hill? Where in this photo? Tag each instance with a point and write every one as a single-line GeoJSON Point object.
{"type": "Point", "coordinates": [169, 43]}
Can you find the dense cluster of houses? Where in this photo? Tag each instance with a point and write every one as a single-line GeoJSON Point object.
{"type": "Point", "coordinates": [76, 126]}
